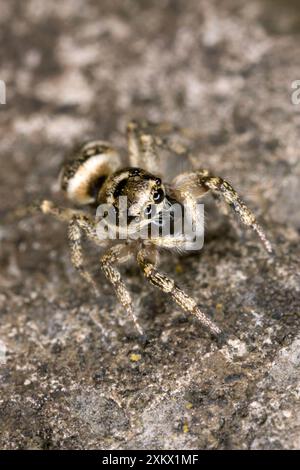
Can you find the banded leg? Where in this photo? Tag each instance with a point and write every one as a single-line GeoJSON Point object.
{"type": "Point", "coordinates": [225, 210]}
{"type": "Point", "coordinates": [146, 139]}
{"type": "Point", "coordinates": [142, 148]}
{"type": "Point", "coordinates": [147, 263]}
{"type": "Point", "coordinates": [133, 144]}
{"type": "Point", "coordinates": [63, 214]}
{"type": "Point", "coordinates": [196, 184]}
{"type": "Point", "coordinates": [116, 255]}
{"type": "Point", "coordinates": [77, 226]}
{"type": "Point", "coordinates": [79, 223]}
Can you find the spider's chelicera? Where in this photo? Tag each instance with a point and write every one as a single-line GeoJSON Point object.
{"type": "Point", "coordinates": [138, 213]}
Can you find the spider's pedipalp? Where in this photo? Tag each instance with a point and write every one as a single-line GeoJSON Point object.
{"type": "Point", "coordinates": [147, 263]}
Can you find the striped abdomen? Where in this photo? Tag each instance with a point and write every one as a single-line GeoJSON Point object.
{"type": "Point", "coordinates": [85, 172]}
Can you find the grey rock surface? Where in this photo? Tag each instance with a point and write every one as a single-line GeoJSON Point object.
{"type": "Point", "coordinates": [73, 373]}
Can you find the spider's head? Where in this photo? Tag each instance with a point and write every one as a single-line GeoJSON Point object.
{"type": "Point", "coordinates": [145, 195]}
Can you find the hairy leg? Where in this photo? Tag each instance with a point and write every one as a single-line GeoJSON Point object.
{"type": "Point", "coordinates": [63, 214]}
{"type": "Point", "coordinates": [141, 147]}
{"type": "Point", "coordinates": [133, 144]}
{"type": "Point", "coordinates": [193, 185]}
{"type": "Point", "coordinates": [146, 138]}
{"type": "Point", "coordinates": [147, 262]}
{"type": "Point", "coordinates": [79, 223]}
{"type": "Point", "coordinates": [116, 255]}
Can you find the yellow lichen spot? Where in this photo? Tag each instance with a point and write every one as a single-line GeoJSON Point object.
{"type": "Point", "coordinates": [219, 306]}
{"type": "Point", "coordinates": [135, 357]}
{"type": "Point", "coordinates": [185, 428]}
{"type": "Point", "coordinates": [178, 268]}
{"type": "Point", "coordinates": [189, 406]}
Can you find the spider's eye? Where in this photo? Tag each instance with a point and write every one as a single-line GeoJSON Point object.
{"type": "Point", "coordinates": [148, 211]}
{"type": "Point", "coordinates": [158, 196]}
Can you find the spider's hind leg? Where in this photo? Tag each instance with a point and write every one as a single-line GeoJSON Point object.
{"type": "Point", "coordinates": [142, 148]}
{"type": "Point", "coordinates": [146, 141]}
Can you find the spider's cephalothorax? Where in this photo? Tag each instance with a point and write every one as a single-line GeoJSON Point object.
{"type": "Point", "coordinates": [94, 176]}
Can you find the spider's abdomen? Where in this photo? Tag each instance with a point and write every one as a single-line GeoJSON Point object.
{"type": "Point", "coordinates": [85, 172]}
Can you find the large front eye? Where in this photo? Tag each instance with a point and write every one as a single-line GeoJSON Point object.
{"type": "Point", "coordinates": [158, 196]}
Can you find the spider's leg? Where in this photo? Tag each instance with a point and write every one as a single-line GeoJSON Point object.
{"type": "Point", "coordinates": [149, 153]}
{"type": "Point", "coordinates": [116, 255]}
{"type": "Point", "coordinates": [45, 207]}
{"type": "Point", "coordinates": [195, 184]}
{"type": "Point", "coordinates": [145, 139]}
{"type": "Point", "coordinates": [226, 211]}
{"type": "Point", "coordinates": [85, 222]}
{"type": "Point", "coordinates": [148, 265]}
{"type": "Point", "coordinates": [142, 148]}
{"type": "Point", "coordinates": [133, 144]}
{"type": "Point", "coordinates": [78, 225]}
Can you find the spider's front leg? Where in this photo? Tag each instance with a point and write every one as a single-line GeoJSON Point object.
{"type": "Point", "coordinates": [119, 254]}
{"type": "Point", "coordinates": [147, 261]}
{"type": "Point", "coordinates": [193, 185]}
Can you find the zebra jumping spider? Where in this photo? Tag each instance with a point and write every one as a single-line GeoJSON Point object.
{"type": "Point", "coordinates": [94, 176]}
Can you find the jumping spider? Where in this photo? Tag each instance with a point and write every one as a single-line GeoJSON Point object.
{"type": "Point", "coordinates": [94, 175]}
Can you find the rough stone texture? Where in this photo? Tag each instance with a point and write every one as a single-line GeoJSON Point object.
{"type": "Point", "coordinates": [73, 374]}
